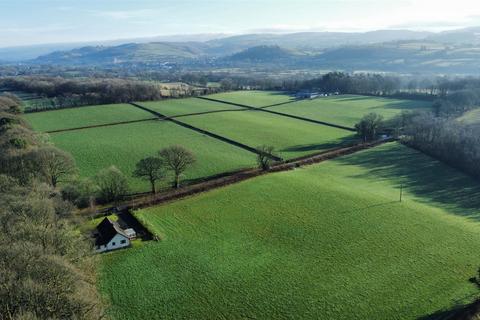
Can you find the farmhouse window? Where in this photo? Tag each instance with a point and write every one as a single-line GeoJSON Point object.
{"type": "Point", "coordinates": [113, 243]}
{"type": "Point", "coordinates": [123, 241]}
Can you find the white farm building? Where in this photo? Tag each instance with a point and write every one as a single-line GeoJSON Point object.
{"type": "Point", "coordinates": [110, 236]}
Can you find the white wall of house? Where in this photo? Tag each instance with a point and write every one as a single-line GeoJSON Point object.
{"type": "Point", "coordinates": [117, 242]}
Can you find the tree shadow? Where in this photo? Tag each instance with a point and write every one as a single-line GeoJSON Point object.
{"type": "Point", "coordinates": [458, 312]}
{"type": "Point", "coordinates": [317, 147]}
{"type": "Point", "coordinates": [429, 180]}
{"type": "Point", "coordinates": [404, 105]}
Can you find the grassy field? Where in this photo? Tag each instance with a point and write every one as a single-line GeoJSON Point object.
{"type": "Point", "coordinates": [471, 117]}
{"type": "Point", "coordinates": [347, 110]}
{"type": "Point", "coordinates": [85, 116]}
{"type": "Point", "coordinates": [123, 145]}
{"type": "Point", "coordinates": [175, 107]}
{"type": "Point", "coordinates": [253, 98]}
{"type": "Point", "coordinates": [291, 138]}
{"type": "Point", "coordinates": [330, 241]}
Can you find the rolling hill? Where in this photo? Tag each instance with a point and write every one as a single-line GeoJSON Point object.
{"type": "Point", "coordinates": [390, 51]}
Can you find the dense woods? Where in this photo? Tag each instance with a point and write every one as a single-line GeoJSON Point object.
{"type": "Point", "coordinates": [440, 133]}
{"type": "Point", "coordinates": [46, 268]}
{"type": "Point", "coordinates": [74, 92]}
{"type": "Point", "coordinates": [446, 139]}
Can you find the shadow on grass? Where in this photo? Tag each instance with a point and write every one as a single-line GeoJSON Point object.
{"type": "Point", "coordinates": [343, 142]}
{"type": "Point", "coordinates": [404, 105]}
{"type": "Point", "coordinates": [429, 180]}
{"type": "Point", "coordinates": [459, 312]}
{"type": "Point", "coordinates": [407, 105]}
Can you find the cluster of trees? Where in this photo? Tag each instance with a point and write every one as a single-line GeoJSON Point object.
{"type": "Point", "coordinates": [374, 84]}
{"type": "Point", "coordinates": [76, 92]}
{"type": "Point", "coordinates": [66, 93]}
{"type": "Point", "coordinates": [175, 159]}
{"type": "Point", "coordinates": [370, 126]}
{"type": "Point", "coordinates": [444, 138]}
{"type": "Point", "coordinates": [457, 103]}
{"type": "Point", "coordinates": [111, 184]}
{"type": "Point", "coordinates": [46, 268]}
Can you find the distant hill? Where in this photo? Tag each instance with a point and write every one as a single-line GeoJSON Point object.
{"type": "Point", "coordinates": [391, 51]}
{"type": "Point", "coordinates": [131, 53]}
{"type": "Point", "coordinates": [416, 56]}
{"type": "Point", "coordinates": [264, 54]}
{"type": "Point", "coordinates": [309, 40]}
{"type": "Point", "coordinates": [466, 36]}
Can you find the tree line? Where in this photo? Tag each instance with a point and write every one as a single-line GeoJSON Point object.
{"type": "Point", "coordinates": [65, 93]}
{"type": "Point", "coordinates": [46, 267]}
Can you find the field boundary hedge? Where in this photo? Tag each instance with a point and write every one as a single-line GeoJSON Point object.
{"type": "Point", "coordinates": [281, 114]}
{"type": "Point", "coordinates": [100, 125]}
{"type": "Point", "coordinates": [216, 183]}
{"type": "Point", "coordinates": [208, 133]}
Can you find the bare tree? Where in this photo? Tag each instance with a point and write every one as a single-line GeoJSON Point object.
{"type": "Point", "coordinates": [265, 157]}
{"type": "Point", "coordinates": [177, 159]}
{"type": "Point", "coordinates": [54, 164]}
{"type": "Point", "coordinates": [369, 126]}
{"type": "Point", "coordinates": [151, 169]}
{"type": "Point", "coordinates": [112, 183]}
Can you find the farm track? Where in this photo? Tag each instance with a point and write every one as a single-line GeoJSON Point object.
{"type": "Point", "coordinates": [101, 125]}
{"type": "Point", "coordinates": [208, 133]}
{"type": "Point", "coordinates": [143, 201]}
{"type": "Point", "coordinates": [280, 113]}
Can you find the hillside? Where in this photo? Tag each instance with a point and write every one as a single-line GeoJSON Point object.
{"type": "Point", "coordinates": [392, 51]}
{"type": "Point", "coordinates": [264, 54]}
{"type": "Point", "coordinates": [126, 53]}
{"type": "Point", "coordinates": [291, 246]}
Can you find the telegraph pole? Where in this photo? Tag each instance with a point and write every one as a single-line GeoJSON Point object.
{"type": "Point", "coordinates": [401, 192]}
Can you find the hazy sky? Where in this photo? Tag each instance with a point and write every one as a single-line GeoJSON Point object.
{"type": "Point", "coordinates": [51, 21]}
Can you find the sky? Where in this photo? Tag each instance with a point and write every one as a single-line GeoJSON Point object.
{"type": "Point", "coordinates": [26, 22]}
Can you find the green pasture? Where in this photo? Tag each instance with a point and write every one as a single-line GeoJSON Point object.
{"type": "Point", "coordinates": [176, 107]}
{"type": "Point", "coordinates": [330, 241]}
{"type": "Point", "coordinates": [291, 138]}
{"type": "Point", "coordinates": [347, 110]}
{"type": "Point", "coordinates": [254, 98]}
{"type": "Point", "coordinates": [124, 145]}
{"type": "Point", "coordinates": [471, 117]}
{"type": "Point", "coordinates": [85, 116]}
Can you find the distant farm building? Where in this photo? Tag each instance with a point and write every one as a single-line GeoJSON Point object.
{"type": "Point", "coordinates": [308, 95]}
{"type": "Point", "coordinates": [110, 236]}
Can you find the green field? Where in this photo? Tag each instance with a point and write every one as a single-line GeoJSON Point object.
{"type": "Point", "coordinates": [347, 110]}
{"type": "Point", "coordinates": [471, 117]}
{"type": "Point", "coordinates": [85, 116]}
{"type": "Point", "coordinates": [176, 107]}
{"type": "Point", "coordinates": [291, 138]}
{"type": "Point", "coordinates": [254, 98]}
{"type": "Point", "coordinates": [124, 145]}
{"type": "Point", "coordinates": [329, 241]}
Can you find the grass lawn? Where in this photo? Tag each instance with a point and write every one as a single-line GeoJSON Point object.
{"type": "Point", "coordinates": [253, 98]}
{"type": "Point", "coordinates": [471, 117]}
{"type": "Point", "coordinates": [347, 110]}
{"type": "Point", "coordinates": [124, 145]}
{"type": "Point", "coordinates": [175, 107]}
{"type": "Point", "coordinates": [85, 116]}
{"type": "Point", "coordinates": [291, 138]}
{"type": "Point", "coordinates": [330, 241]}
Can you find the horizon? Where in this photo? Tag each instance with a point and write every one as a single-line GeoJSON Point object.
{"type": "Point", "coordinates": [30, 22]}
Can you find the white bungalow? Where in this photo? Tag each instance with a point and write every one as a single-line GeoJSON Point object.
{"type": "Point", "coordinates": [110, 236]}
